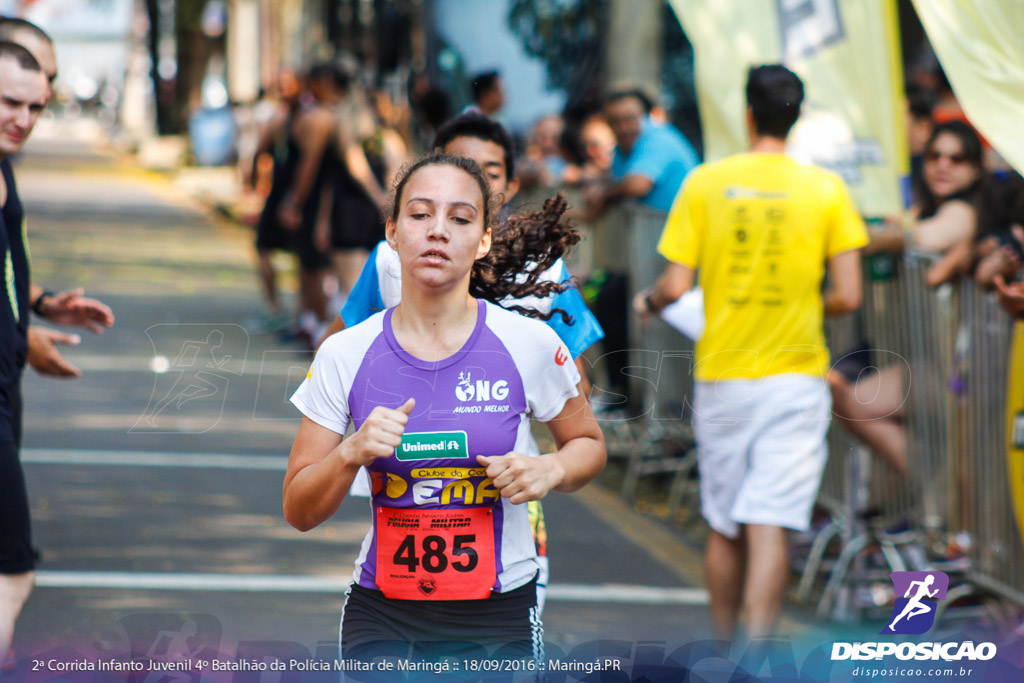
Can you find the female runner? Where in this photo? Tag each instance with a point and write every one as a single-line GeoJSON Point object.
{"type": "Point", "coordinates": [441, 390]}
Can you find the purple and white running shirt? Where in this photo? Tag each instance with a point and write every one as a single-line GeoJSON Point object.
{"type": "Point", "coordinates": [478, 401]}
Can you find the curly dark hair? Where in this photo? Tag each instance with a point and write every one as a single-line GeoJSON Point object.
{"type": "Point", "coordinates": [526, 246]}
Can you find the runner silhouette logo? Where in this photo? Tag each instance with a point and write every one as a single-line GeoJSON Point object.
{"type": "Point", "coordinates": [917, 597]}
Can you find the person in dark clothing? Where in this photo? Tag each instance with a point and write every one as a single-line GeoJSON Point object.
{"type": "Point", "coordinates": [277, 140]}
{"type": "Point", "coordinates": [314, 134]}
{"type": "Point", "coordinates": [24, 92]}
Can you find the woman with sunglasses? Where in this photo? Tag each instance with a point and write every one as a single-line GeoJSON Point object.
{"type": "Point", "coordinates": [944, 219]}
{"type": "Point", "coordinates": [946, 201]}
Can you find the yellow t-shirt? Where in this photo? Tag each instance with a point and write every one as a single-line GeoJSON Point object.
{"type": "Point", "coordinates": [760, 227]}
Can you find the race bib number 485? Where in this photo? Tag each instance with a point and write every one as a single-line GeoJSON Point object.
{"type": "Point", "coordinates": [435, 554]}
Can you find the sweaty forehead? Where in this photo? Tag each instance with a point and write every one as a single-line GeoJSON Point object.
{"type": "Point", "coordinates": [442, 184]}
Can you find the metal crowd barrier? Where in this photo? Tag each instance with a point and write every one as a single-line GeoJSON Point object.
{"type": "Point", "coordinates": [956, 342]}
{"type": "Point", "coordinates": [862, 495]}
{"type": "Point", "coordinates": [660, 437]}
{"type": "Point", "coordinates": [932, 444]}
{"type": "Point", "coordinates": [996, 550]}
{"type": "Point", "coordinates": [662, 357]}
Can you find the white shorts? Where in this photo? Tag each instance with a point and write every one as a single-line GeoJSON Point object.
{"type": "Point", "coordinates": [761, 450]}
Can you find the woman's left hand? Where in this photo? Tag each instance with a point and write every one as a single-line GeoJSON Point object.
{"type": "Point", "coordinates": [522, 478]}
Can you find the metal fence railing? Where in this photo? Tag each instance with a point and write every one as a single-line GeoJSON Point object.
{"type": "Point", "coordinates": [953, 511]}
{"type": "Point", "coordinates": [995, 549]}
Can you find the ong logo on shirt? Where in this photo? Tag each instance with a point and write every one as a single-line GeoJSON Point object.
{"type": "Point", "coordinates": [432, 446]}
{"type": "Point", "coordinates": [481, 390]}
{"type": "Point", "coordinates": [914, 612]}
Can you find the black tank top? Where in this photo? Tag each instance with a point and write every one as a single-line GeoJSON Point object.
{"type": "Point", "coordinates": [14, 308]}
{"type": "Point", "coordinates": [286, 154]}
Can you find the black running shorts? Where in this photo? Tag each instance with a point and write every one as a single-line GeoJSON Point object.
{"type": "Point", "coordinates": [504, 626]}
{"type": "Point", "coordinates": [16, 556]}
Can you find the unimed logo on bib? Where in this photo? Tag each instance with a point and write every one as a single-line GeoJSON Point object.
{"type": "Point", "coordinates": [917, 596]}
{"type": "Point", "coordinates": [432, 446]}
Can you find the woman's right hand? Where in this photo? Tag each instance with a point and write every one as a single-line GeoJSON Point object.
{"type": "Point", "coordinates": [379, 436]}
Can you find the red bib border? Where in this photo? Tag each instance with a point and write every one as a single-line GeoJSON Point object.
{"type": "Point", "coordinates": [435, 554]}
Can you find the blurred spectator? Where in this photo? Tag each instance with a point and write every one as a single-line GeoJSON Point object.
{"type": "Point", "coordinates": [953, 205]}
{"type": "Point", "coordinates": [304, 143]}
{"type": "Point", "coordinates": [945, 210]}
{"type": "Point", "coordinates": [488, 94]}
{"type": "Point", "coordinates": [870, 406]}
{"type": "Point", "coordinates": [999, 250]}
{"type": "Point", "coordinates": [1011, 296]}
{"type": "Point", "coordinates": [392, 115]}
{"type": "Point", "coordinates": [948, 109]}
{"type": "Point", "coordinates": [545, 162]}
{"type": "Point", "coordinates": [370, 155]}
{"type": "Point", "coordinates": [277, 141]}
{"type": "Point", "coordinates": [431, 107]}
{"type": "Point", "coordinates": [598, 142]}
{"type": "Point", "coordinates": [250, 122]}
{"type": "Point", "coordinates": [651, 160]}
{"type": "Point", "coordinates": [920, 102]}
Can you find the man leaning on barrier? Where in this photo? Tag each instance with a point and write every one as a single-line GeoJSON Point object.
{"type": "Point", "coordinates": [761, 228]}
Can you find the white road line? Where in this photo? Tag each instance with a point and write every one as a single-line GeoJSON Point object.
{"type": "Point", "coordinates": [279, 583]}
{"type": "Point", "coordinates": [624, 593]}
{"type": "Point", "coordinates": [219, 461]}
{"type": "Point", "coordinates": [263, 367]}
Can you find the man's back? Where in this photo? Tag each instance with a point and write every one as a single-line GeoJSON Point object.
{"type": "Point", "coordinates": [760, 227]}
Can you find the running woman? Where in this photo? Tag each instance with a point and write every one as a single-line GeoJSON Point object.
{"type": "Point", "coordinates": [486, 142]}
{"type": "Point", "coordinates": [440, 390]}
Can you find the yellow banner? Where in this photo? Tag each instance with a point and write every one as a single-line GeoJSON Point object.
{"type": "Point", "coordinates": [981, 48]}
{"type": "Point", "coordinates": [846, 52]}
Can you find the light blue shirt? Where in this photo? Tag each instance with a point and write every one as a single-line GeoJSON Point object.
{"type": "Point", "coordinates": [663, 156]}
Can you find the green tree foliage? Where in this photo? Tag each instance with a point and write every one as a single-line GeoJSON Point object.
{"type": "Point", "coordinates": [568, 35]}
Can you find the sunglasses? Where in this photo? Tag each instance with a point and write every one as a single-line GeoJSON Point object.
{"type": "Point", "coordinates": [955, 159]}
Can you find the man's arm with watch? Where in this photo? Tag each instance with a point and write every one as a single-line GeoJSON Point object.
{"type": "Point", "coordinates": [69, 308]}
{"type": "Point", "coordinates": [675, 281]}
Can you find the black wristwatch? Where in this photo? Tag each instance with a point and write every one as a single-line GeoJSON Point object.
{"type": "Point", "coordinates": [649, 303]}
{"type": "Point", "coordinates": [37, 305]}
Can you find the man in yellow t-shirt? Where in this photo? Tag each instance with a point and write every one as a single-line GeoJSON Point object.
{"type": "Point", "coordinates": [761, 229]}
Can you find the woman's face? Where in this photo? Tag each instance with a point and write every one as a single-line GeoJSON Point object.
{"type": "Point", "coordinates": [598, 143]}
{"type": "Point", "coordinates": [946, 169]}
{"type": "Point", "coordinates": [439, 231]}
